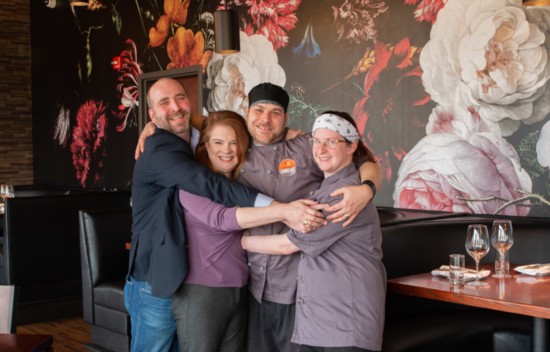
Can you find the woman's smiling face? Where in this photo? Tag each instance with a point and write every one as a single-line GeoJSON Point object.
{"type": "Point", "coordinates": [332, 159]}
{"type": "Point", "coordinates": [222, 149]}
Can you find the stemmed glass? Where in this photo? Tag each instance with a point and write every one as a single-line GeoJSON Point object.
{"type": "Point", "coordinates": [477, 246]}
{"type": "Point", "coordinates": [6, 191]}
{"type": "Point", "coordinates": [502, 239]}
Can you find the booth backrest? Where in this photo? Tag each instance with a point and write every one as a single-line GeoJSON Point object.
{"type": "Point", "coordinates": [419, 246]}
{"type": "Point", "coordinates": [41, 253]}
{"type": "Point", "coordinates": [103, 235]}
{"type": "Point", "coordinates": [41, 191]}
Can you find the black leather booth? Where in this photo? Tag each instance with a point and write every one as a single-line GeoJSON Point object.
{"type": "Point", "coordinates": [32, 191]}
{"type": "Point", "coordinates": [416, 242]}
{"type": "Point", "coordinates": [103, 238]}
{"type": "Point", "coordinates": [413, 242]}
{"type": "Point", "coordinates": [40, 254]}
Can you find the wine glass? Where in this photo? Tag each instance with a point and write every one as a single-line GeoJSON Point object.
{"type": "Point", "coordinates": [6, 191]}
{"type": "Point", "coordinates": [477, 246]}
{"type": "Point", "coordinates": [502, 239]}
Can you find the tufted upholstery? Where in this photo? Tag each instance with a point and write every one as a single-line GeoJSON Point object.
{"type": "Point", "coordinates": [103, 236]}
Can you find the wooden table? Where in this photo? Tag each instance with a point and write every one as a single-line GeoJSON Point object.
{"type": "Point", "coordinates": [25, 343]}
{"type": "Point", "coordinates": [521, 294]}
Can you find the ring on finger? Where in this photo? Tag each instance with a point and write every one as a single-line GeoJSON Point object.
{"type": "Point", "coordinates": [346, 215]}
{"type": "Point", "coordinates": [306, 222]}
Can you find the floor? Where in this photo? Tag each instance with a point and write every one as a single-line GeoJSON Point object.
{"type": "Point", "coordinates": [69, 335]}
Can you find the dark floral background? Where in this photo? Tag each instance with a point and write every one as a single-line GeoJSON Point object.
{"type": "Point", "coordinates": [452, 96]}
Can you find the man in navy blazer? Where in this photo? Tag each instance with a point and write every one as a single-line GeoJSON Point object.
{"type": "Point", "coordinates": [158, 262]}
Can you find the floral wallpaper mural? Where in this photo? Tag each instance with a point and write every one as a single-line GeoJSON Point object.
{"type": "Point", "coordinates": [453, 96]}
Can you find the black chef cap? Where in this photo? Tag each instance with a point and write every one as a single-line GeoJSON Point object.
{"type": "Point", "coordinates": [268, 93]}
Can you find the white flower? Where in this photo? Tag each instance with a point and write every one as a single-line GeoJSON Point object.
{"type": "Point", "coordinates": [543, 146]}
{"type": "Point", "coordinates": [207, 17]}
{"type": "Point", "coordinates": [491, 55]}
{"type": "Point", "coordinates": [231, 77]}
{"type": "Point", "coordinates": [457, 120]}
{"type": "Point", "coordinates": [62, 126]}
{"type": "Point", "coordinates": [50, 3]}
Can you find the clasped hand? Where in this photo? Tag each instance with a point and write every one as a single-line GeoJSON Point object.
{"type": "Point", "coordinates": [304, 215]}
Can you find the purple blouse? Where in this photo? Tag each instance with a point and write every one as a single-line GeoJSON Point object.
{"type": "Point", "coordinates": [216, 258]}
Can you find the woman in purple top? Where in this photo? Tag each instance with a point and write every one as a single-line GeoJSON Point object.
{"type": "Point", "coordinates": [210, 307]}
{"type": "Point", "coordinates": [341, 279]}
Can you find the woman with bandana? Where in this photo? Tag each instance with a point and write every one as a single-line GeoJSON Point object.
{"type": "Point", "coordinates": [341, 279]}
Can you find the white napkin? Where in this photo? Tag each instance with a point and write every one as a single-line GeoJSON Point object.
{"type": "Point", "coordinates": [534, 269]}
{"type": "Point", "coordinates": [469, 274]}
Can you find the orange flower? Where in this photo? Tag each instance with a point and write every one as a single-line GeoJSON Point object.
{"type": "Point", "coordinates": [158, 35]}
{"type": "Point", "coordinates": [185, 49]}
{"type": "Point", "coordinates": [175, 11]}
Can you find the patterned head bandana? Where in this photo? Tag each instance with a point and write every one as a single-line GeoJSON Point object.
{"type": "Point", "coordinates": [337, 124]}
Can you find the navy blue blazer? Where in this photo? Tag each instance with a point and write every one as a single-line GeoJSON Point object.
{"type": "Point", "coordinates": [158, 251]}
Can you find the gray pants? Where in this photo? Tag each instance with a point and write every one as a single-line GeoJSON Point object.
{"type": "Point", "coordinates": [211, 319]}
{"type": "Point", "coordinates": [270, 327]}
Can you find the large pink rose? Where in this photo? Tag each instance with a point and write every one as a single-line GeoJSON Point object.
{"type": "Point", "coordinates": [447, 172]}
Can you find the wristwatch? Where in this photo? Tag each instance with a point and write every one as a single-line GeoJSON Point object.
{"type": "Point", "coordinates": [371, 185]}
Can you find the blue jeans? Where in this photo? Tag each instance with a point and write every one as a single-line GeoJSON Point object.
{"type": "Point", "coordinates": [153, 324]}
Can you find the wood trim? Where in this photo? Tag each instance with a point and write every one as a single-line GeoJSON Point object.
{"type": "Point", "coordinates": [521, 294]}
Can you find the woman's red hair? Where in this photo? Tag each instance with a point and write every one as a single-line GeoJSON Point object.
{"type": "Point", "coordinates": [232, 120]}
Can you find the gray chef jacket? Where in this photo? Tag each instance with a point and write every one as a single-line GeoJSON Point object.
{"type": "Point", "coordinates": [285, 171]}
{"type": "Point", "coordinates": [341, 279]}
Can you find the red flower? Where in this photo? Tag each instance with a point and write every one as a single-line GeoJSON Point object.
{"type": "Point", "coordinates": [87, 146]}
{"type": "Point", "coordinates": [395, 98]}
{"type": "Point", "coordinates": [270, 18]}
{"type": "Point", "coordinates": [427, 10]}
{"type": "Point", "coordinates": [127, 86]}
